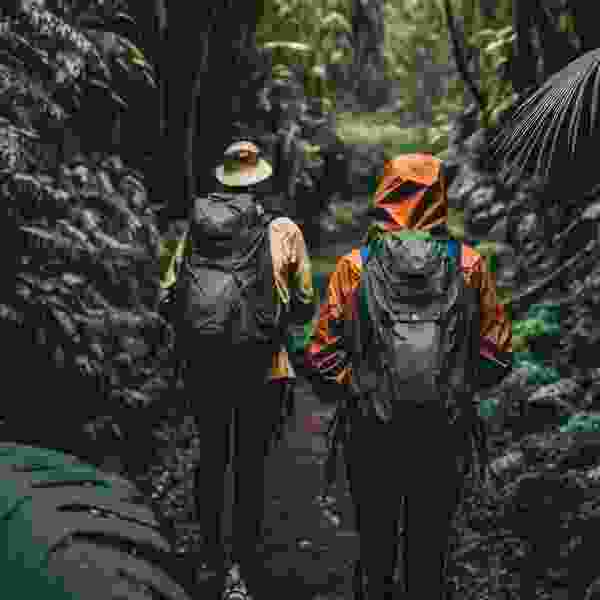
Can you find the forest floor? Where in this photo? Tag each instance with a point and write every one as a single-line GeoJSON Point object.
{"type": "Point", "coordinates": [309, 548]}
{"type": "Point", "coordinates": [308, 553]}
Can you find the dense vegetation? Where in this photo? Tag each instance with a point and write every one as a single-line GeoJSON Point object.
{"type": "Point", "coordinates": [95, 153]}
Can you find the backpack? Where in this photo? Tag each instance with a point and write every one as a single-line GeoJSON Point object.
{"type": "Point", "coordinates": [417, 339]}
{"type": "Point", "coordinates": [225, 293]}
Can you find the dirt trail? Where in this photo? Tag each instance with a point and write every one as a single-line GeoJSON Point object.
{"type": "Point", "coordinates": [308, 556]}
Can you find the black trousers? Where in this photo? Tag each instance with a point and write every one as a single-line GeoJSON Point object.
{"type": "Point", "coordinates": [239, 406]}
{"type": "Point", "coordinates": [415, 459]}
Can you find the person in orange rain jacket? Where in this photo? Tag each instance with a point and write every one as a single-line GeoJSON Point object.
{"type": "Point", "coordinates": [403, 468]}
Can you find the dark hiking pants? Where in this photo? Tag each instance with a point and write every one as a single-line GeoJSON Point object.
{"type": "Point", "coordinates": [244, 406]}
{"type": "Point", "coordinates": [414, 459]}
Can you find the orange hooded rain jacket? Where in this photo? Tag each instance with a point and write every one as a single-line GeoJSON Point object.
{"type": "Point", "coordinates": [411, 195]}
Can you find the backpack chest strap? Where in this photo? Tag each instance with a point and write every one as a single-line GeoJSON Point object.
{"type": "Point", "coordinates": [432, 315]}
{"type": "Point", "coordinates": [454, 250]}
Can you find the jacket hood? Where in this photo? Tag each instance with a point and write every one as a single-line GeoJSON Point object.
{"type": "Point", "coordinates": [413, 193]}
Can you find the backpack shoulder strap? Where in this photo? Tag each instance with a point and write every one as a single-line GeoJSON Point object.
{"type": "Point", "coordinates": [364, 254]}
{"type": "Point", "coordinates": [455, 249]}
{"type": "Point", "coordinates": [267, 218]}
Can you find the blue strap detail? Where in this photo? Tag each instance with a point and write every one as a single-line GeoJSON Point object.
{"type": "Point", "coordinates": [364, 253]}
{"type": "Point", "coordinates": [453, 248]}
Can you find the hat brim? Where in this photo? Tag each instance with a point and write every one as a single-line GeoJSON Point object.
{"type": "Point", "coordinates": [260, 172]}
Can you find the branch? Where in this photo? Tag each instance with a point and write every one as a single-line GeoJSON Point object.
{"type": "Point", "coordinates": [531, 295]}
{"type": "Point", "coordinates": [459, 57]}
{"type": "Point", "coordinates": [585, 23]}
{"type": "Point", "coordinates": [556, 49]}
{"type": "Point", "coordinates": [524, 70]}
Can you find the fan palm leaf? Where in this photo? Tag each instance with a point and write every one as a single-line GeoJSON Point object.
{"type": "Point", "coordinates": [554, 119]}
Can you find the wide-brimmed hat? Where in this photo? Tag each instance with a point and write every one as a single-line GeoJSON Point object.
{"type": "Point", "coordinates": [243, 165]}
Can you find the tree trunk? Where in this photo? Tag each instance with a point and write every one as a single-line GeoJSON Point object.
{"type": "Point", "coordinates": [557, 52]}
{"type": "Point", "coordinates": [586, 25]}
{"type": "Point", "coordinates": [488, 8]}
{"type": "Point", "coordinates": [424, 93]}
{"type": "Point", "coordinates": [204, 52]}
{"type": "Point", "coordinates": [149, 35]}
{"type": "Point", "coordinates": [458, 50]}
{"type": "Point", "coordinates": [524, 64]}
{"type": "Point", "coordinates": [368, 30]}
{"type": "Point", "coordinates": [146, 118]}
{"type": "Point", "coordinates": [209, 50]}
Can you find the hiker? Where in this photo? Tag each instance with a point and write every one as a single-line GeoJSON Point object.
{"type": "Point", "coordinates": [405, 396]}
{"type": "Point", "coordinates": [243, 293]}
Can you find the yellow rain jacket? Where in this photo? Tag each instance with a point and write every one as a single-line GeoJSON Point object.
{"type": "Point", "coordinates": [412, 195]}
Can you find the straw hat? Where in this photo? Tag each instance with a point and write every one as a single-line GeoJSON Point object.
{"type": "Point", "coordinates": [243, 166]}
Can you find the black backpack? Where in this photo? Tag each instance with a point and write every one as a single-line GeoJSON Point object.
{"type": "Point", "coordinates": [417, 341]}
{"type": "Point", "coordinates": [225, 293]}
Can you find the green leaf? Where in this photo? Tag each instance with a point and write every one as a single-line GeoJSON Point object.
{"type": "Point", "coordinates": [495, 45]}
{"type": "Point", "coordinates": [121, 16]}
{"type": "Point", "coordinates": [338, 20]}
{"type": "Point", "coordinates": [582, 422]}
{"type": "Point", "coordinates": [506, 30]}
{"type": "Point", "coordinates": [98, 83]}
{"type": "Point", "coordinates": [294, 46]}
{"type": "Point", "coordinates": [114, 96]}
{"type": "Point", "coordinates": [41, 233]}
{"type": "Point", "coordinates": [135, 55]}
{"type": "Point", "coordinates": [149, 79]}
{"type": "Point", "coordinates": [124, 64]}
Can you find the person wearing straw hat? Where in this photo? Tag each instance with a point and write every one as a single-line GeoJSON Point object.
{"type": "Point", "coordinates": [244, 302]}
{"type": "Point", "coordinates": [243, 166]}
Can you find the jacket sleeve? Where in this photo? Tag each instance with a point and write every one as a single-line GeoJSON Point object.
{"type": "Point", "coordinates": [294, 282]}
{"type": "Point", "coordinates": [495, 325]}
{"type": "Point", "coordinates": [303, 299]}
{"type": "Point", "coordinates": [496, 328]}
{"type": "Point", "coordinates": [327, 357]}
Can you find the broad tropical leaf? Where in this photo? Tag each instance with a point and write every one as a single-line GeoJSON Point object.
{"type": "Point", "coordinates": [562, 111]}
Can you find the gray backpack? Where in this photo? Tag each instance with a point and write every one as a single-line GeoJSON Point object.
{"type": "Point", "coordinates": [417, 339]}
{"type": "Point", "coordinates": [225, 291]}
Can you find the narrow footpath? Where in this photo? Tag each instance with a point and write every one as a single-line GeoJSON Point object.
{"type": "Point", "coordinates": [309, 547]}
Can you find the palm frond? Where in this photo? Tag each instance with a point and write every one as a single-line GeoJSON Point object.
{"type": "Point", "coordinates": [594, 106]}
{"type": "Point", "coordinates": [554, 115]}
